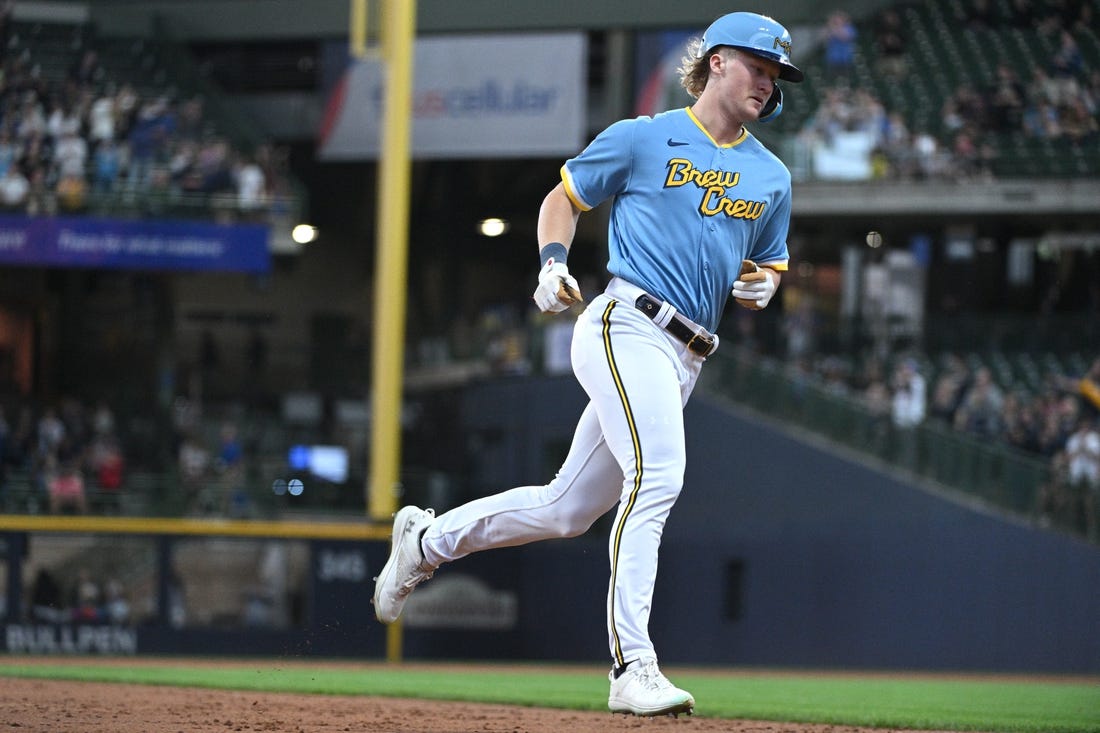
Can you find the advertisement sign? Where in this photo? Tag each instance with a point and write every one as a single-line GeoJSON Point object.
{"type": "Point", "coordinates": [133, 245]}
{"type": "Point", "coordinates": [473, 96]}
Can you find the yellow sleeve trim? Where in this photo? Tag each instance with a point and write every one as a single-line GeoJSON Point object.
{"type": "Point", "coordinates": [567, 182]}
{"type": "Point", "coordinates": [1091, 391]}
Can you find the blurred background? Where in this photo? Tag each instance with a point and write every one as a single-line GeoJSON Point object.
{"type": "Point", "coordinates": [187, 262]}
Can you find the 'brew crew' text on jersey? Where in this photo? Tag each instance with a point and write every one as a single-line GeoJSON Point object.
{"type": "Point", "coordinates": [687, 210]}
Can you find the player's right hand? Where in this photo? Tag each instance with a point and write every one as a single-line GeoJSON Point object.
{"type": "Point", "coordinates": [556, 288]}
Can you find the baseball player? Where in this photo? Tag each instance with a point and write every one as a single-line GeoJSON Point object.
{"type": "Point", "coordinates": [701, 210]}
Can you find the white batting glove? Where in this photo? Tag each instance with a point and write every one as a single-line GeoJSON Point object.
{"type": "Point", "coordinates": [557, 289]}
{"type": "Point", "coordinates": [754, 290]}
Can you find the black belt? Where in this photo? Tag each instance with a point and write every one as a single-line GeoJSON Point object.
{"type": "Point", "coordinates": [698, 342]}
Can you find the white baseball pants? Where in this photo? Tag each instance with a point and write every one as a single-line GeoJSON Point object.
{"type": "Point", "coordinates": [628, 449]}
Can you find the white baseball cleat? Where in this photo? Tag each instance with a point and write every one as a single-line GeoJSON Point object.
{"type": "Point", "coordinates": [643, 690]}
{"type": "Point", "coordinates": [406, 568]}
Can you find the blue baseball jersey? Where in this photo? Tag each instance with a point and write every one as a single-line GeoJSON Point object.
{"type": "Point", "coordinates": [687, 210]}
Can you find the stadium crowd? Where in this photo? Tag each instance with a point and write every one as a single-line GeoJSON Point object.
{"type": "Point", "coordinates": [1059, 103]}
{"type": "Point", "coordinates": [71, 453]}
{"type": "Point", "coordinates": [70, 141]}
{"type": "Point", "coordinates": [1059, 422]}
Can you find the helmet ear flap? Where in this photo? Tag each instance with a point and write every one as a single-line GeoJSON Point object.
{"type": "Point", "coordinates": [773, 106]}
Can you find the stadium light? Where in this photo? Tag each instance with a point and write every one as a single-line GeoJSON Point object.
{"type": "Point", "coordinates": [492, 227]}
{"type": "Point", "coordinates": [304, 233]}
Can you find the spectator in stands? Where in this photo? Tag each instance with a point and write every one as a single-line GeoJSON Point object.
{"type": "Point", "coordinates": [63, 121]}
{"type": "Point", "coordinates": [70, 169]}
{"type": "Point", "coordinates": [1007, 100]}
{"type": "Point", "coordinates": [251, 186]}
{"type": "Point", "coordinates": [101, 117]}
{"type": "Point", "coordinates": [868, 114]}
{"type": "Point", "coordinates": [9, 150]}
{"type": "Point", "coordinates": [103, 419]}
{"type": "Point", "coordinates": [1079, 127]}
{"type": "Point", "coordinates": [798, 326]}
{"type": "Point", "coordinates": [230, 464]}
{"type": "Point", "coordinates": [897, 146]}
{"type": "Point", "coordinates": [930, 161]}
{"type": "Point", "coordinates": [1090, 92]}
{"type": "Point", "coordinates": [65, 487]}
{"type": "Point", "coordinates": [193, 463]}
{"type": "Point", "coordinates": [967, 107]}
{"type": "Point", "coordinates": [47, 600]}
{"type": "Point", "coordinates": [192, 126]}
{"type": "Point", "coordinates": [107, 166]}
{"type": "Point", "coordinates": [85, 598]}
{"type": "Point", "coordinates": [948, 389]}
{"type": "Point", "coordinates": [1083, 455]}
{"type": "Point", "coordinates": [106, 464]}
{"type": "Point", "coordinates": [908, 408]}
{"type": "Point", "coordinates": [840, 45]}
{"type": "Point", "coordinates": [183, 173]}
{"type": "Point", "coordinates": [127, 104]}
{"type": "Point", "coordinates": [150, 142]}
{"type": "Point", "coordinates": [1040, 115]}
{"type": "Point", "coordinates": [86, 71]}
{"type": "Point", "coordinates": [878, 401]}
{"type": "Point", "coordinates": [32, 119]}
{"type": "Point", "coordinates": [116, 606]}
{"type": "Point", "coordinates": [964, 150]}
{"type": "Point", "coordinates": [832, 116]}
{"type": "Point", "coordinates": [1017, 421]}
{"type": "Point", "coordinates": [14, 190]}
{"type": "Point", "coordinates": [213, 165]}
{"type": "Point", "coordinates": [980, 410]}
{"type": "Point", "coordinates": [40, 200]}
{"type": "Point", "coordinates": [1054, 501]}
{"type": "Point", "coordinates": [50, 432]}
{"type": "Point", "coordinates": [1066, 68]}
{"type": "Point", "coordinates": [890, 42]}
{"type": "Point", "coordinates": [72, 193]}
{"type": "Point", "coordinates": [1042, 120]}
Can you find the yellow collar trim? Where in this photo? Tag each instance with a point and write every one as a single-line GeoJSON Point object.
{"type": "Point", "coordinates": [740, 138]}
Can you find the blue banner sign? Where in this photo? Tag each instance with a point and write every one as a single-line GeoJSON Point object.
{"type": "Point", "coordinates": [133, 245]}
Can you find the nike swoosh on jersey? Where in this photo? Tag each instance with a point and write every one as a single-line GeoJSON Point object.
{"type": "Point", "coordinates": [676, 143]}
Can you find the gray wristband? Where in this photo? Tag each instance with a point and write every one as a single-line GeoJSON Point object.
{"type": "Point", "coordinates": [555, 251]}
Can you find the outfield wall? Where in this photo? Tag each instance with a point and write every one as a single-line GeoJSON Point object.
{"type": "Point", "coordinates": [779, 553]}
{"type": "Point", "coordinates": [782, 552]}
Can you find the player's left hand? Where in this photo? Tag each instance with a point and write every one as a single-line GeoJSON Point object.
{"type": "Point", "coordinates": [755, 287]}
{"type": "Point", "coordinates": [557, 289]}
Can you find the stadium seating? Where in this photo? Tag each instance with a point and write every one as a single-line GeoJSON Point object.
{"type": "Point", "coordinates": [155, 69]}
{"type": "Point", "coordinates": [943, 54]}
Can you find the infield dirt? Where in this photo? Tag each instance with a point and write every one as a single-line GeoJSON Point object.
{"type": "Point", "coordinates": [50, 706]}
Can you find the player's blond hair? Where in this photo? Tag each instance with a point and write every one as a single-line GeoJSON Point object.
{"type": "Point", "coordinates": [694, 70]}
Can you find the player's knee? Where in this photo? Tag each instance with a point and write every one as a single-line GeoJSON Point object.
{"type": "Point", "coordinates": [571, 524]}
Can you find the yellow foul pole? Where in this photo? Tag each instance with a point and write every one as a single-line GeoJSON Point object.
{"type": "Point", "coordinates": [397, 25]}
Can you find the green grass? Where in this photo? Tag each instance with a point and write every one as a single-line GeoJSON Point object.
{"type": "Point", "coordinates": [918, 702]}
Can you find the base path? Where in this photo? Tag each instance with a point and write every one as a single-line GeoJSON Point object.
{"type": "Point", "coordinates": [50, 706]}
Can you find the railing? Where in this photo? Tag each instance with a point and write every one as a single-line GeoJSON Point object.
{"type": "Point", "coordinates": [168, 203]}
{"type": "Point", "coordinates": [989, 471]}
